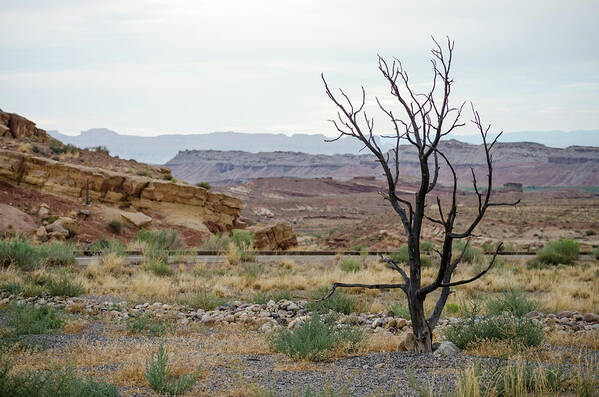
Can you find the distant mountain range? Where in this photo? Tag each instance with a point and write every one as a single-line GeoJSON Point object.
{"type": "Point", "coordinates": [525, 162]}
{"type": "Point", "coordinates": [160, 149]}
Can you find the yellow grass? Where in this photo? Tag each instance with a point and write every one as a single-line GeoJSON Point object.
{"type": "Point", "coordinates": [555, 288]}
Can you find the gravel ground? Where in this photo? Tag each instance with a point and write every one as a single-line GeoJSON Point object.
{"type": "Point", "coordinates": [374, 374]}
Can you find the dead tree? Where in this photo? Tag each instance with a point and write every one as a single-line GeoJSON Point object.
{"type": "Point", "coordinates": [422, 120]}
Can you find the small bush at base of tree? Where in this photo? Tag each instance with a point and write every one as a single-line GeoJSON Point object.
{"type": "Point", "coordinates": [559, 252]}
{"type": "Point", "coordinates": [512, 301]}
{"type": "Point", "coordinates": [519, 330]}
{"type": "Point", "coordinates": [315, 338]}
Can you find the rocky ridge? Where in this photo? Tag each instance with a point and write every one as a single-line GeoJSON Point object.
{"type": "Point", "coordinates": [14, 126]}
{"type": "Point", "coordinates": [530, 164]}
{"type": "Point", "coordinates": [218, 211]}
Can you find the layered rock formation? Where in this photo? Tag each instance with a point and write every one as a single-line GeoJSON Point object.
{"type": "Point", "coordinates": [274, 237]}
{"type": "Point", "coordinates": [525, 162]}
{"type": "Point", "coordinates": [218, 211]}
{"type": "Point", "coordinates": [14, 126]}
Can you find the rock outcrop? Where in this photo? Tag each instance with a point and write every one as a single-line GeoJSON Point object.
{"type": "Point", "coordinates": [218, 211]}
{"type": "Point", "coordinates": [274, 237]}
{"type": "Point", "coordinates": [18, 127]}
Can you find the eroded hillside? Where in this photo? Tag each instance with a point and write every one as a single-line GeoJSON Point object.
{"type": "Point", "coordinates": [530, 164]}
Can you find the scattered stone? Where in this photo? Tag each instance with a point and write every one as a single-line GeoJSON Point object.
{"type": "Point", "coordinates": [41, 233]}
{"type": "Point", "coordinates": [591, 318]}
{"type": "Point", "coordinates": [137, 218]}
{"type": "Point", "coordinates": [44, 211]}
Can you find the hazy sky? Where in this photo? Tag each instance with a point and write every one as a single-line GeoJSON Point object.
{"type": "Point", "coordinates": [188, 66]}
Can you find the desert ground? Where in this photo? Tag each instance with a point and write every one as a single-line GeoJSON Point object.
{"type": "Point", "coordinates": [228, 329]}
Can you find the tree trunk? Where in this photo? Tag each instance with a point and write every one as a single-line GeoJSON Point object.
{"type": "Point", "coordinates": [423, 338]}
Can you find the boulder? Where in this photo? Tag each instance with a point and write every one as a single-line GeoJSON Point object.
{"type": "Point", "coordinates": [15, 220]}
{"type": "Point", "coordinates": [44, 211]}
{"type": "Point", "coordinates": [66, 222]}
{"type": "Point", "coordinates": [447, 348]}
{"type": "Point", "coordinates": [274, 237]}
{"type": "Point", "coordinates": [56, 228]}
{"type": "Point", "coordinates": [591, 317]}
{"type": "Point", "coordinates": [137, 218]}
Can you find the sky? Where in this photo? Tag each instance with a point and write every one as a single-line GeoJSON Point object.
{"type": "Point", "coordinates": [192, 66]}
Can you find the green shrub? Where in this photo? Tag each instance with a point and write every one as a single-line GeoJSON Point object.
{"type": "Point", "coordinates": [58, 382]}
{"type": "Point", "coordinates": [595, 253]}
{"type": "Point", "coordinates": [12, 288]}
{"type": "Point", "coordinates": [114, 226]}
{"type": "Point", "coordinates": [144, 325]}
{"type": "Point", "coordinates": [58, 254]}
{"type": "Point", "coordinates": [519, 330]}
{"type": "Point", "coordinates": [101, 149]}
{"type": "Point", "coordinates": [276, 296]}
{"type": "Point", "coordinates": [452, 308]}
{"type": "Point", "coordinates": [403, 256]}
{"type": "Point", "coordinates": [63, 286]}
{"type": "Point", "coordinates": [162, 380]}
{"type": "Point", "coordinates": [242, 238]}
{"type": "Point", "coordinates": [217, 243]}
{"type": "Point", "coordinates": [158, 266]}
{"type": "Point", "coordinates": [350, 265]}
{"type": "Point", "coordinates": [559, 252]}
{"type": "Point", "coordinates": [20, 253]}
{"type": "Point", "coordinates": [160, 239]}
{"type": "Point", "coordinates": [513, 301]}
{"type": "Point", "coordinates": [253, 270]}
{"type": "Point", "coordinates": [28, 320]}
{"type": "Point", "coordinates": [204, 300]}
{"type": "Point", "coordinates": [313, 339]}
{"type": "Point", "coordinates": [56, 146]}
{"type": "Point", "coordinates": [31, 290]}
{"type": "Point", "coordinates": [108, 246]}
{"type": "Point", "coordinates": [427, 246]}
{"type": "Point", "coordinates": [400, 311]}
{"type": "Point", "coordinates": [471, 255]}
{"type": "Point", "coordinates": [205, 185]}
{"type": "Point", "coordinates": [338, 302]}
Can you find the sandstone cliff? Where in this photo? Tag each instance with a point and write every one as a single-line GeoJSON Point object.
{"type": "Point", "coordinates": [218, 211]}
{"type": "Point", "coordinates": [14, 126]}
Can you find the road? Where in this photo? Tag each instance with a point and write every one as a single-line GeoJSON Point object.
{"type": "Point", "coordinates": [290, 257]}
